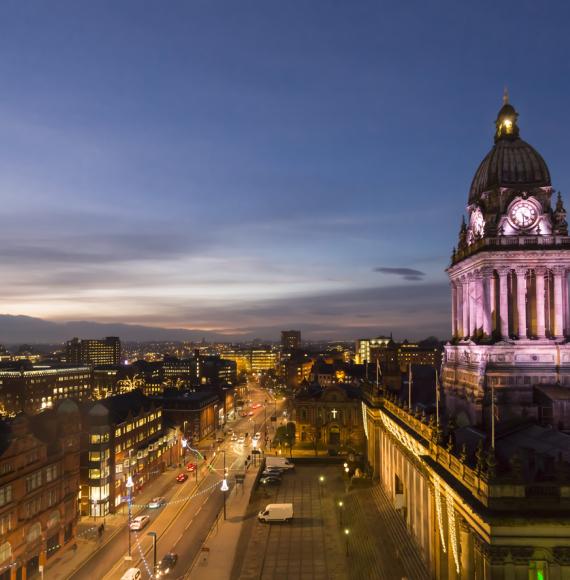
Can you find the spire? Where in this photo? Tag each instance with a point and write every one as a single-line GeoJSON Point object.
{"type": "Point", "coordinates": [506, 122]}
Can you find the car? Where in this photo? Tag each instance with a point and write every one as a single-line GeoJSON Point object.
{"type": "Point", "coordinates": [267, 473]}
{"type": "Point", "coordinates": [139, 523]}
{"type": "Point", "coordinates": [256, 406]}
{"type": "Point", "coordinates": [181, 477]}
{"type": "Point", "coordinates": [241, 439]}
{"type": "Point", "coordinates": [243, 414]}
{"type": "Point", "coordinates": [156, 502]}
{"type": "Point", "coordinates": [234, 437]}
{"type": "Point", "coordinates": [167, 564]}
{"type": "Point", "coordinates": [191, 467]}
{"type": "Point", "coordinates": [220, 440]}
{"type": "Point", "coordinates": [257, 436]}
{"type": "Point", "coordinates": [270, 480]}
{"type": "Point", "coordinates": [250, 414]}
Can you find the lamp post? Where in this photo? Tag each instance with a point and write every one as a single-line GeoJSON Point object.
{"type": "Point", "coordinates": [153, 536]}
{"type": "Point", "coordinates": [254, 450]}
{"type": "Point", "coordinates": [130, 486]}
{"type": "Point", "coordinates": [347, 482]}
{"type": "Point", "coordinates": [224, 487]}
{"type": "Point", "coordinates": [346, 533]}
{"type": "Point", "coordinates": [321, 483]}
{"type": "Point", "coordinates": [340, 506]}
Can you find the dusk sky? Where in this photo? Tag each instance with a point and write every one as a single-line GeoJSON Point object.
{"type": "Point", "coordinates": [245, 167]}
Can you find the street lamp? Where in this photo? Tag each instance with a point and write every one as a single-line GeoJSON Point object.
{"type": "Point", "coordinates": [153, 536]}
{"type": "Point", "coordinates": [346, 532]}
{"type": "Point", "coordinates": [129, 486]}
{"type": "Point", "coordinates": [224, 487]}
{"type": "Point", "coordinates": [321, 483]}
{"type": "Point", "coordinates": [340, 506]}
{"type": "Point", "coordinates": [254, 450]}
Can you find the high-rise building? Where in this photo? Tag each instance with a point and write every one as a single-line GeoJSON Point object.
{"type": "Point", "coordinates": [481, 483]}
{"type": "Point", "coordinates": [106, 351]}
{"type": "Point", "coordinates": [290, 339]}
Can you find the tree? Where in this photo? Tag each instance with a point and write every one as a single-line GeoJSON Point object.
{"type": "Point", "coordinates": [290, 431]}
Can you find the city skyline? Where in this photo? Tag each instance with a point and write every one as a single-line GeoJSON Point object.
{"type": "Point", "coordinates": [249, 171]}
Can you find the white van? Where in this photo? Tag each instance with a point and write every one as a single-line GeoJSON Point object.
{"type": "Point", "coordinates": [132, 574]}
{"type": "Point", "coordinates": [276, 512]}
{"type": "Point", "coordinates": [281, 462]}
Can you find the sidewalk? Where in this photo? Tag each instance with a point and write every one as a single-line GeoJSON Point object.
{"type": "Point", "coordinates": [218, 552]}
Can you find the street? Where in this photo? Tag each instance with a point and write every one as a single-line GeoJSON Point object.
{"type": "Point", "coordinates": [191, 509]}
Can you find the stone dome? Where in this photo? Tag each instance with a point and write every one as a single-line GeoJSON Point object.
{"type": "Point", "coordinates": [511, 163]}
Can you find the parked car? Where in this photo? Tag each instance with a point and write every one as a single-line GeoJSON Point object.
{"type": "Point", "coordinates": [181, 477]}
{"type": "Point", "coordinates": [241, 439]}
{"type": "Point", "coordinates": [256, 406]}
{"type": "Point", "coordinates": [270, 480]}
{"type": "Point", "coordinates": [191, 467]}
{"type": "Point", "coordinates": [167, 564]}
{"type": "Point", "coordinates": [156, 502]}
{"type": "Point", "coordinates": [271, 473]}
{"type": "Point", "coordinates": [250, 414]}
{"type": "Point", "coordinates": [139, 523]}
{"type": "Point", "coordinates": [234, 437]}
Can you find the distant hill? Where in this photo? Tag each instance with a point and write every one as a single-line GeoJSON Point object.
{"type": "Point", "coordinates": [27, 329]}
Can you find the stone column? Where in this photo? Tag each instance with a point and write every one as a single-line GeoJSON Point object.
{"type": "Point", "coordinates": [472, 306]}
{"type": "Point", "coordinates": [487, 300]}
{"type": "Point", "coordinates": [466, 550]}
{"type": "Point", "coordinates": [453, 309]}
{"type": "Point", "coordinates": [540, 318]}
{"type": "Point", "coordinates": [459, 308]}
{"type": "Point", "coordinates": [521, 301]}
{"type": "Point", "coordinates": [465, 308]}
{"type": "Point", "coordinates": [504, 303]}
{"type": "Point", "coordinates": [558, 303]}
{"type": "Point", "coordinates": [479, 301]}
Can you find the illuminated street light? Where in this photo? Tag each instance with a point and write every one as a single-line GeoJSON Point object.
{"type": "Point", "coordinates": [340, 506]}
{"type": "Point", "coordinates": [346, 533]}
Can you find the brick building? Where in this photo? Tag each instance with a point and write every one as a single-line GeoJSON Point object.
{"type": "Point", "coordinates": [39, 484]}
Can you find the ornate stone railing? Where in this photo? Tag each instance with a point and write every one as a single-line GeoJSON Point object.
{"type": "Point", "coordinates": [512, 243]}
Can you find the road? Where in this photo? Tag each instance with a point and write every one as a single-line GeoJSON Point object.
{"type": "Point", "coordinates": [191, 510]}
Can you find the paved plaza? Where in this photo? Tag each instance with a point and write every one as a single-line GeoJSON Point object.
{"type": "Point", "coordinates": [314, 545]}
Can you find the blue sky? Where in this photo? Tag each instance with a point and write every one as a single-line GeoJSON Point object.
{"type": "Point", "coordinates": [249, 166]}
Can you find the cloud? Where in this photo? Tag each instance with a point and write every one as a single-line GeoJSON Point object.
{"type": "Point", "coordinates": [405, 273]}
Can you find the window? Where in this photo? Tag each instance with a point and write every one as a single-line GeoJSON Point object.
{"type": "Point", "coordinates": [5, 523]}
{"type": "Point", "coordinates": [53, 519]}
{"type": "Point", "coordinates": [6, 468]}
{"type": "Point", "coordinates": [95, 439]}
{"type": "Point", "coordinates": [51, 473]}
{"type": "Point", "coordinates": [33, 481]}
{"type": "Point", "coordinates": [5, 495]}
{"type": "Point", "coordinates": [34, 532]}
{"type": "Point", "coordinates": [94, 473]}
{"type": "Point", "coordinates": [5, 551]}
{"type": "Point", "coordinates": [51, 497]}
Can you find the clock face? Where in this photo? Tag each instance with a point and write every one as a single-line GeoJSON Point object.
{"type": "Point", "coordinates": [523, 214]}
{"type": "Point", "coordinates": [477, 223]}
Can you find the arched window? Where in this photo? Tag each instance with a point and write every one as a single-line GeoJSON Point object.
{"type": "Point", "coordinates": [34, 532]}
{"type": "Point", "coordinates": [53, 519]}
{"type": "Point", "coordinates": [5, 551]}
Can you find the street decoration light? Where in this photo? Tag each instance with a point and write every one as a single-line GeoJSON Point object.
{"type": "Point", "coordinates": [224, 487]}
{"type": "Point", "coordinates": [129, 485]}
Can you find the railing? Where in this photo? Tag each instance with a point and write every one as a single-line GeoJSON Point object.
{"type": "Point", "coordinates": [511, 242]}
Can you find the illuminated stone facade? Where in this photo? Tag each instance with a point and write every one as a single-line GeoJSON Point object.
{"type": "Point", "coordinates": [483, 486]}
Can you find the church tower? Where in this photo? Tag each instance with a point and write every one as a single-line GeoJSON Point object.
{"type": "Point", "coordinates": [509, 289]}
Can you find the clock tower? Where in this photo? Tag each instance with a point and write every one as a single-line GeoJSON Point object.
{"type": "Point", "coordinates": [509, 290]}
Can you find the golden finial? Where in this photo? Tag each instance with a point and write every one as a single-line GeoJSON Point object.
{"type": "Point", "coordinates": [505, 95]}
